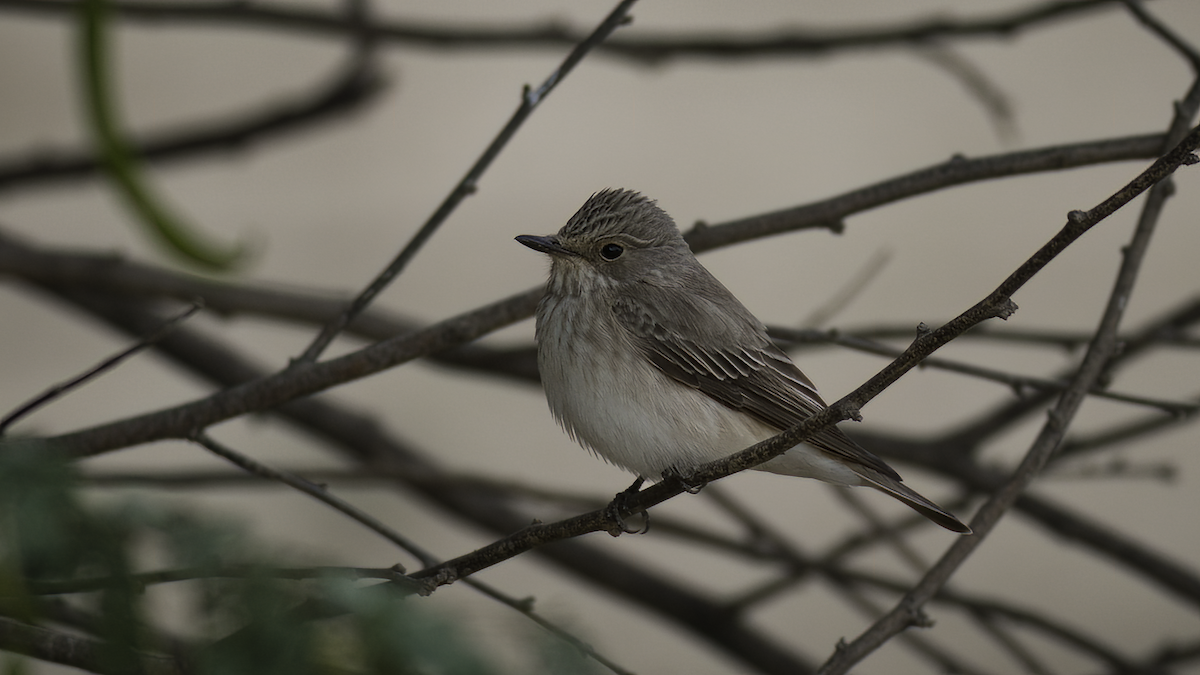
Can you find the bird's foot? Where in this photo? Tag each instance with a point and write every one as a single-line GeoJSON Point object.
{"type": "Point", "coordinates": [621, 503]}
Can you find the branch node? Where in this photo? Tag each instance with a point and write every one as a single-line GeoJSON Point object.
{"type": "Point", "coordinates": [918, 618]}
{"type": "Point", "coordinates": [851, 411]}
{"type": "Point", "coordinates": [1077, 217]}
{"type": "Point", "coordinates": [1005, 309]}
{"type": "Point", "coordinates": [444, 576]}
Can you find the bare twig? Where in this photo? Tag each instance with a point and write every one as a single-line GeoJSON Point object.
{"type": "Point", "coordinates": [468, 184]}
{"type": "Point", "coordinates": [104, 366]}
{"type": "Point", "coordinates": [830, 213]}
{"type": "Point", "coordinates": [1020, 384]}
{"type": "Point", "coordinates": [316, 492]}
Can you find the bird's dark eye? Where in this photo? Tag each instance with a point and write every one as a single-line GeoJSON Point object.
{"type": "Point", "coordinates": [611, 251]}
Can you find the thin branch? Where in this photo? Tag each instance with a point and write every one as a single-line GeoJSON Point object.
{"type": "Point", "coordinates": [978, 85]}
{"type": "Point", "coordinates": [59, 390]}
{"type": "Point", "coordinates": [1094, 647]}
{"type": "Point", "coordinates": [469, 183]}
{"type": "Point", "coordinates": [1108, 437]}
{"type": "Point", "coordinates": [316, 492]}
{"type": "Point", "coordinates": [112, 273]}
{"type": "Point", "coordinates": [1154, 333]}
{"type": "Point", "coordinates": [525, 606]}
{"type": "Point", "coordinates": [1020, 384]}
{"type": "Point", "coordinates": [766, 537]}
{"type": "Point", "coordinates": [1184, 48]}
{"type": "Point", "coordinates": [830, 213]}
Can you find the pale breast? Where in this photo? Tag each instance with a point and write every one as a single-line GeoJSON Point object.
{"type": "Point", "coordinates": [614, 402]}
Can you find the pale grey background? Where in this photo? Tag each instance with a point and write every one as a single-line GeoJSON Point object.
{"type": "Point", "coordinates": [710, 141]}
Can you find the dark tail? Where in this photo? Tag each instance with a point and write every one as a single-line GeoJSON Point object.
{"type": "Point", "coordinates": [914, 501]}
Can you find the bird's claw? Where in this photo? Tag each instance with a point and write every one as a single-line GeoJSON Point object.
{"type": "Point", "coordinates": [619, 504]}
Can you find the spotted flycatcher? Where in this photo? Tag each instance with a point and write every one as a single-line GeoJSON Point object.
{"type": "Point", "coordinates": [651, 363]}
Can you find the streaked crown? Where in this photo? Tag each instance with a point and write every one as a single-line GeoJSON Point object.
{"type": "Point", "coordinates": [617, 211]}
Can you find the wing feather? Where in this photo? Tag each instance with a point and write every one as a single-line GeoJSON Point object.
{"type": "Point", "coordinates": [736, 364]}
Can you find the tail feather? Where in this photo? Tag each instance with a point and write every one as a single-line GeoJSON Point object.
{"type": "Point", "coordinates": [912, 499]}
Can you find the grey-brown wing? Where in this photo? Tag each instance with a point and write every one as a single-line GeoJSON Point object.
{"type": "Point", "coordinates": [744, 371]}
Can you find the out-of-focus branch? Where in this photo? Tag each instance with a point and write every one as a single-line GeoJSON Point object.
{"type": "Point", "coordinates": [143, 579]}
{"type": "Point", "coordinates": [1106, 438]}
{"type": "Point", "coordinates": [72, 650]}
{"type": "Point", "coordinates": [642, 47]}
{"type": "Point", "coordinates": [346, 93]}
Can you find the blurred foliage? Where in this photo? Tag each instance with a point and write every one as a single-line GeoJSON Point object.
{"type": "Point", "coordinates": [251, 622]}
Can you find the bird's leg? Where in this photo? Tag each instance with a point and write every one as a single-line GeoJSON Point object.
{"type": "Point", "coordinates": [685, 480]}
{"type": "Point", "coordinates": [621, 503]}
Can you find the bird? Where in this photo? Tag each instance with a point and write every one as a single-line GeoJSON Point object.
{"type": "Point", "coordinates": [651, 363]}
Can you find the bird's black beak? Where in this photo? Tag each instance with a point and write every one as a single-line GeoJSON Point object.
{"type": "Point", "coordinates": [548, 244]}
